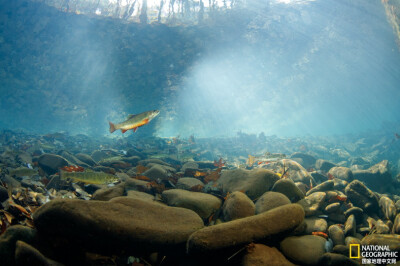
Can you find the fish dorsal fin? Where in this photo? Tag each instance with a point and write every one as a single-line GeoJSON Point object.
{"type": "Point", "coordinates": [130, 116]}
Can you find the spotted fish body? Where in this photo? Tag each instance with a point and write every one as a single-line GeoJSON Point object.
{"type": "Point", "coordinates": [134, 121]}
{"type": "Point", "coordinates": [89, 177]}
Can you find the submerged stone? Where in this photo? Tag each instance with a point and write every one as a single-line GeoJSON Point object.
{"type": "Point", "coordinates": [305, 250]}
{"type": "Point", "coordinates": [246, 230]}
{"type": "Point", "coordinates": [289, 189]}
{"type": "Point", "coordinates": [201, 203]}
{"type": "Point", "coordinates": [270, 200]}
{"type": "Point", "coordinates": [253, 182]}
{"type": "Point", "coordinates": [114, 228]}
{"type": "Point", "coordinates": [260, 255]}
{"type": "Point", "coordinates": [237, 205]}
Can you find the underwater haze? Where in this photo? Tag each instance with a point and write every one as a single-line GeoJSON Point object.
{"type": "Point", "coordinates": [289, 68]}
{"type": "Point", "coordinates": [199, 132]}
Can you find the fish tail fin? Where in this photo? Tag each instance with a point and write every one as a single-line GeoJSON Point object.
{"type": "Point", "coordinates": [112, 127]}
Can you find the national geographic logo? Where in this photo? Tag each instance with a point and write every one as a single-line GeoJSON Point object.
{"type": "Point", "coordinates": [375, 254]}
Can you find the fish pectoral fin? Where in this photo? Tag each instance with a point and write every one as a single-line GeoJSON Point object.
{"type": "Point", "coordinates": [123, 131]}
{"type": "Point", "coordinates": [134, 129]}
{"type": "Point", "coordinates": [146, 121]}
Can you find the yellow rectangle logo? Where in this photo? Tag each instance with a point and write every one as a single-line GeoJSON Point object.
{"type": "Point", "coordinates": [357, 247]}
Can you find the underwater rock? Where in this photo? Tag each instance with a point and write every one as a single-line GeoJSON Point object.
{"type": "Point", "coordinates": [122, 176]}
{"type": "Point", "coordinates": [237, 205]}
{"type": "Point", "coordinates": [313, 203]}
{"type": "Point", "coordinates": [10, 181]}
{"type": "Point", "coordinates": [396, 225]}
{"type": "Point", "coordinates": [295, 171]}
{"type": "Point", "coordinates": [154, 161]}
{"type": "Point", "coordinates": [336, 233]}
{"type": "Point", "coordinates": [383, 239]}
{"type": "Point", "coordinates": [54, 182]}
{"type": "Point", "coordinates": [304, 250]}
{"type": "Point", "coordinates": [168, 168]}
{"type": "Point", "coordinates": [139, 195]}
{"type": "Point", "coordinates": [97, 155]}
{"type": "Point", "coordinates": [259, 255]}
{"type": "Point", "coordinates": [362, 197]}
{"type": "Point", "coordinates": [303, 187]}
{"type": "Point", "coordinates": [308, 160]}
{"type": "Point", "coordinates": [25, 254]}
{"type": "Point", "coordinates": [138, 185]}
{"type": "Point", "coordinates": [133, 160]}
{"type": "Point", "coordinates": [315, 225]}
{"type": "Point", "coordinates": [108, 193]}
{"type": "Point", "coordinates": [333, 207]}
{"type": "Point", "coordinates": [22, 171]}
{"type": "Point", "coordinates": [318, 177]}
{"type": "Point", "coordinates": [24, 157]}
{"type": "Point", "coordinates": [356, 211]}
{"type": "Point", "coordinates": [325, 186]}
{"type": "Point", "coordinates": [114, 228]}
{"type": "Point", "coordinates": [105, 169]}
{"type": "Point", "coordinates": [339, 184]}
{"type": "Point", "coordinates": [377, 177]}
{"type": "Point", "coordinates": [157, 172]}
{"type": "Point", "coordinates": [136, 195]}
{"type": "Point", "coordinates": [350, 226]}
{"type": "Point", "coordinates": [188, 182]}
{"type": "Point", "coordinates": [388, 208]}
{"type": "Point", "coordinates": [50, 163]}
{"type": "Point", "coordinates": [245, 230]}
{"type": "Point", "coordinates": [201, 203]}
{"type": "Point", "coordinates": [3, 194]}
{"type": "Point", "coordinates": [333, 259]}
{"type": "Point", "coordinates": [190, 165]}
{"type": "Point", "coordinates": [86, 159]}
{"type": "Point", "coordinates": [115, 162]}
{"type": "Point", "coordinates": [134, 152]}
{"type": "Point", "coordinates": [324, 165]}
{"type": "Point", "coordinates": [9, 239]}
{"type": "Point", "coordinates": [381, 227]}
{"type": "Point", "coordinates": [270, 200]}
{"type": "Point", "coordinates": [343, 173]}
{"type": "Point", "coordinates": [351, 240]}
{"type": "Point", "coordinates": [289, 189]}
{"type": "Point", "coordinates": [253, 182]}
{"type": "Point", "coordinates": [72, 159]}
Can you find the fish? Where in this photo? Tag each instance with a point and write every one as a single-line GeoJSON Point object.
{"type": "Point", "coordinates": [322, 234]}
{"type": "Point", "coordinates": [134, 121]}
{"type": "Point", "coordinates": [23, 171]}
{"type": "Point", "coordinates": [89, 177]}
{"type": "Point", "coordinates": [219, 163]}
{"type": "Point", "coordinates": [73, 168]}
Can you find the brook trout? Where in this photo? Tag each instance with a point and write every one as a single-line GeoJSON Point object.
{"type": "Point", "coordinates": [89, 177]}
{"type": "Point", "coordinates": [134, 121]}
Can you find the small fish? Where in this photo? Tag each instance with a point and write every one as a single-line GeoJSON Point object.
{"type": "Point", "coordinates": [198, 174]}
{"type": "Point", "coordinates": [311, 186]}
{"type": "Point", "coordinates": [322, 234]}
{"type": "Point", "coordinates": [338, 198]}
{"type": "Point", "coordinates": [134, 121]}
{"type": "Point", "coordinates": [324, 216]}
{"type": "Point", "coordinates": [23, 171]}
{"type": "Point", "coordinates": [219, 163]}
{"type": "Point", "coordinates": [89, 177]}
{"type": "Point", "coordinates": [72, 168]}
